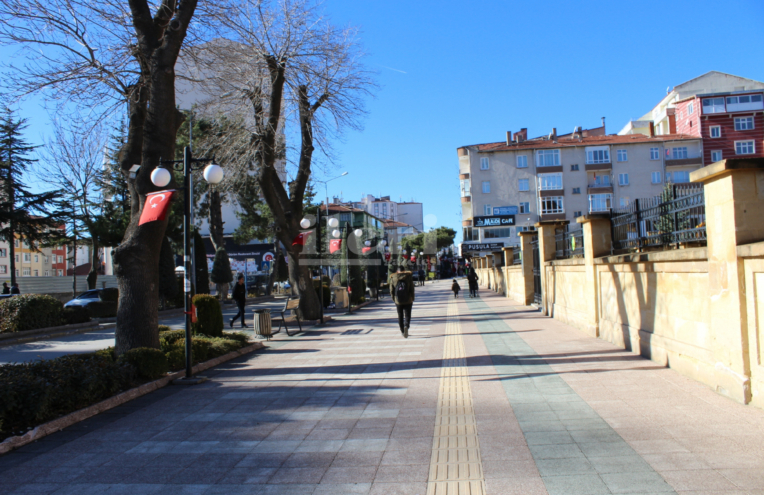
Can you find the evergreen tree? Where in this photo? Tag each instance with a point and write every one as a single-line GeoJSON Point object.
{"type": "Point", "coordinates": [202, 272]}
{"type": "Point", "coordinates": [35, 218]}
{"type": "Point", "coordinates": [221, 268]}
{"type": "Point", "coordinates": [168, 281]}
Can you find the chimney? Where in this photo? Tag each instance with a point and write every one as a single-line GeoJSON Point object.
{"type": "Point", "coordinates": [603, 127]}
{"type": "Point", "coordinates": [652, 129]}
{"type": "Point", "coordinates": [522, 135]}
{"type": "Point", "coordinates": [554, 134]}
{"type": "Point", "coordinates": [509, 137]}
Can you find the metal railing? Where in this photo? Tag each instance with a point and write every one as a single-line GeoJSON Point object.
{"type": "Point", "coordinates": [517, 257]}
{"type": "Point", "coordinates": [536, 271]}
{"type": "Point", "coordinates": [569, 243]}
{"type": "Point", "coordinates": [677, 216]}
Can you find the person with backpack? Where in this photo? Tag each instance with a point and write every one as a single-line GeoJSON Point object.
{"type": "Point", "coordinates": [402, 292]}
{"type": "Point", "coordinates": [456, 288]}
{"type": "Point", "coordinates": [240, 298]}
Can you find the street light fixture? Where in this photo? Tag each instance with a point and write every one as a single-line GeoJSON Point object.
{"type": "Point", "coordinates": [160, 177]}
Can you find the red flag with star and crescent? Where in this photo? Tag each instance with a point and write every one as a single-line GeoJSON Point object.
{"type": "Point", "coordinates": [301, 238]}
{"type": "Point", "coordinates": [156, 206]}
{"type": "Point", "coordinates": [335, 245]}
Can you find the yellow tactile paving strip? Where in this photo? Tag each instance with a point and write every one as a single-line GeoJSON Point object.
{"type": "Point", "coordinates": [455, 466]}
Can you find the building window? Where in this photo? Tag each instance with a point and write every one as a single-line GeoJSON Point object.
{"type": "Point", "coordinates": [3, 253]}
{"type": "Point", "coordinates": [716, 131]}
{"type": "Point", "coordinates": [600, 202]}
{"type": "Point", "coordinates": [716, 155]}
{"type": "Point", "coordinates": [16, 242]}
{"type": "Point", "coordinates": [623, 156]}
{"type": "Point", "coordinates": [550, 181]}
{"type": "Point", "coordinates": [484, 163]}
{"type": "Point", "coordinates": [690, 109]}
{"type": "Point", "coordinates": [470, 234]}
{"type": "Point", "coordinates": [36, 258]}
{"type": "Point", "coordinates": [464, 186]}
{"type": "Point", "coordinates": [680, 177]}
{"type": "Point", "coordinates": [27, 257]}
{"type": "Point", "coordinates": [37, 273]}
{"type": "Point", "coordinates": [47, 273]}
{"type": "Point", "coordinates": [522, 161]}
{"type": "Point", "coordinates": [496, 233]}
{"type": "Point", "coordinates": [547, 158]}
{"type": "Point", "coordinates": [743, 123]}
{"type": "Point", "coordinates": [523, 185]}
{"type": "Point", "coordinates": [60, 273]}
{"type": "Point", "coordinates": [3, 268]}
{"type": "Point", "coordinates": [525, 207]}
{"type": "Point", "coordinates": [598, 156]}
{"type": "Point", "coordinates": [574, 168]}
{"type": "Point", "coordinates": [487, 210]}
{"type": "Point", "coordinates": [623, 179]}
{"type": "Point", "coordinates": [655, 177]}
{"type": "Point", "coordinates": [745, 147]}
{"type": "Point", "coordinates": [679, 153]}
{"type": "Point", "coordinates": [577, 214]}
{"type": "Point", "coordinates": [713, 105]}
{"type": "Point", "coordinates": [552, 204]}
{"type": "Point", "coordinates": [655, 154]}
{"type": "Point", "coordinates": [26, 272]}
{"type": "Point", "coordinates": [524, 229]}
{"type": "Point", "coordinates": [16, 257]}
{"type": "Point", "coordinates": [601, 180]}
{"type": "Point", "coordinates": [576, 190]}
{"type": "Point", "coordinates": [45, 259]}
{"type": "Point", "coordinates": [60, 259]}
{"type": "Point", "coordinates": [486, 186]}
{"type": "Point", "coordinates": [624, 202]}
{"type": "Point", "coordinates": [744, 102]}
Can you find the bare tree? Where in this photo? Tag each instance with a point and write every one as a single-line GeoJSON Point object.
{"type": "Point", "coordinates": [102, 54]}
{"type": "Point", "coordinates": [73, 160]}
{"type": "Point", "coordinates": [289, 67]}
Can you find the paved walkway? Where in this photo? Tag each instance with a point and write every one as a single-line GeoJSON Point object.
{"type": "Point", "coordinates": [103, 337]}
{"type": "Point", "coordinates": [484, 397]}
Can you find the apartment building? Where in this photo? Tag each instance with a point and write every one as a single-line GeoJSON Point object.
{"type": "Point", "coordinates": [408, 212]}
{"type": "Point", "coordinates": [395, 231]}
{"type": "Point", "coordinates": [507, 187]}
{"type": "Point", "coordinates": [40, 262]}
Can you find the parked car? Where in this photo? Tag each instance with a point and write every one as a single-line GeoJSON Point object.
{"type": "Point", "coordinates": [85, 299]}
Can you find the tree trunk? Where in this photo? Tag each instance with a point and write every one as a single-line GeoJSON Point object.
{"type": "Point", "coordinates": [302, 286]}
{"type": "Point", "coordinates": [94, 262]}
{"type": "Point", "coordinates": [216, 219]}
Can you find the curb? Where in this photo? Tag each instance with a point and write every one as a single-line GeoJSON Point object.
{"type": "Point", "coordinates": [44, 333]}
{"type": "Point", "coordinates": [46, 429]}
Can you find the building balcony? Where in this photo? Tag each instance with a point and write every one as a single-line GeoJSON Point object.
{"type": "Point", "coordinates": [549, 169]}
{"type": "Point", "coordinates": [683, 162]}
{"type": "Point", "coordinates": [551, 217]}
{"type": "Point", "coordinates": [593, 167]}
{"type": "Point", "coordinates": [466, 199]}
{"type": "Point", "coordinates": [599, 188]}
{"type": "Point", "coordinates": [545, 193]}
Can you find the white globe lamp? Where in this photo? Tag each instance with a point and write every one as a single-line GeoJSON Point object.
{"type": "Point", "coordinates": [160, 177]}
{"type": "Point", "coordinates": [304, 223]}
{"type": "Point", "coordinates": [333, 223]}
{"type": "Point", "coordinates": [358, 232]}
{"type": "Point", "coordinates": [213, 173]}
{"type": "Point", "coordinates": [336, 233]}
{"type": "Point", "coordinates": [367, 243]}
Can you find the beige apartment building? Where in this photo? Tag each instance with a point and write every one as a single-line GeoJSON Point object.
{"type": "Point", "coordinates": [509, 186]}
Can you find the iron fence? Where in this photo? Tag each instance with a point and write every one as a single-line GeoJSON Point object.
{"type": "Point", "coordinates": [536, 271]}
{"type": "Point", "coordinates": [569, 243]}
{"type": "Point", "coordinates": [677, 216]}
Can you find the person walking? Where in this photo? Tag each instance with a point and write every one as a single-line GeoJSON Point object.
{"type": "Point", "coordinates": [456, 288]}
{"type": "Point", "coordinates": [421, 277]}
{"type": "Point", "coordinates": [240, 298]}
{"type": "Point", "coordinates": [15, 289]}
{"type": "Point", "coordinates": [472, 281]}
{"type": "Point", "coordinates": [6, 289]}
{"type": "Point", "coordinates": [402, 292]}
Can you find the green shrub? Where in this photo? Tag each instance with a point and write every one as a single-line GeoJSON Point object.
{"type": "Point", "coordinates": [29, 312]}
{"type": "Point", "coordinates": [176, 359]}
{"type": "Point", "coordinates": [241, 338]}
{"type": "Point", "coordinates": [164, 328]}
{"type": "Point", "coordinates": [76, 314]}
{"type": "Point", "coordinates": [168, 338]}
{"type": "Point", "coordinates": [102, 309]}
{"type": "Point", "coordinates": [109, 295]}
{"type": "Point", "coordinates": [209, 316]}
{"type": "Point", "coordinates": [40, 391]}
{"type": "Point", "coordinates": [107, 353]}
{"type": "Point", "coordinates": [149, 363]}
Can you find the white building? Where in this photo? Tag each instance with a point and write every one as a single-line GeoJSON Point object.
{"type": "Point", "coordinates": [409, 213]}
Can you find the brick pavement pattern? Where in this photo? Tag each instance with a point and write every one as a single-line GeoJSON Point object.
{"type": "Point", "coordinates": [485, 396]}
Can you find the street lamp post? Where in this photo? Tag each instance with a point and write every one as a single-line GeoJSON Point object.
{"type": "Point", "coordinates": [161, 177]}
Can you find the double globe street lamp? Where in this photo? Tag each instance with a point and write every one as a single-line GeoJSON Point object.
{"type": "Point", "coordinates": [161, 177]}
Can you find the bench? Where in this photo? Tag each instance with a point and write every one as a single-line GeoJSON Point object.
{"type": "Point", "coordinates": [291, 304]}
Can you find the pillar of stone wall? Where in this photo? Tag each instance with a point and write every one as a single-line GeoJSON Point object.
{"type": "Point", "coordinates": [546, 232]}
{"type": "Point", "coordinates": [508, 260]}
{"type": "Point", "coordinates": [734, 194]}
{"type": "Point", "coordinates": [597, 242]}
{"type": "Point", "coordinates": [527, 264]}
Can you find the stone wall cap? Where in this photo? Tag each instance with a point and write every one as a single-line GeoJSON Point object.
{"type": "Point", "coordinates": [705, 174]}
{"type": "Point", "coordinates": [686, 254]}
{"type": "Point", "coordinates": [507, 248]}
{"type": "Point", "coordinates": [753, 250]}
{"type": "Point", "coordinates": [528, 233]}
{"type": "Point", "coordinates": [593, 216]}
{"type": "Point", "coordinates": [549, 223]}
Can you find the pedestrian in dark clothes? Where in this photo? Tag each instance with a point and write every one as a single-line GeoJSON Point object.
{"type": "Point", "coordinates": [421, 277]}
{"type": "Point", "coordinates": [456, 288]}
{"type": "Point", "coordinates": [6, 289]}
{"type": "Point", "coordinates": [240, 298]}
{"type": "Point", "coordinates": [15, 289]}
{"type": "Point", "coordinates": [472, 281]}
{"type": "Point", "coordinates": [402, 292]}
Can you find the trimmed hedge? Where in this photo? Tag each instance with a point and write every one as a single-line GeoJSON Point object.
{"type": "Point", "coordinates": [209, 316]}
{"type": "Point", "coordinates": [76, 314]}
{"type": "Point", "coordinates": [29, 312]}
{"type": "Point", "coordinates": [149, 363]}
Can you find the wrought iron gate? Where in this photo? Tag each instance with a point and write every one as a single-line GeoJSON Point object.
{"type": "Point", "coordinates": [536, 271]}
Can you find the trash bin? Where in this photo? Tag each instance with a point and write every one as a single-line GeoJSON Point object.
{"type": "Point", "coordinates": [263, 323]}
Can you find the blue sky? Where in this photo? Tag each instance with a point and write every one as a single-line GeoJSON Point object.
{"type": "Point", "coordinates": [457, 73]}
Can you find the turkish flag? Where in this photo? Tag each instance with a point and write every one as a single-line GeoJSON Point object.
{"type": "Point", "coordinates": [302, 238]}
{"type": "Point", "coordinates": [335, 245]}
{"type": "Point", "coordinates": [387, 256]}
{"type": "Point", "coordinates": [365, 250]}
{"type": "Point", "coordinates": [413, 258]}
{"type": "Point", "coordinates": [156, 206]}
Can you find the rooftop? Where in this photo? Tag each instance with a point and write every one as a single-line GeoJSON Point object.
{"type": "Point", "coordinates": [570, 142]}
{"type": "Point", "coordinates": [391, 224]}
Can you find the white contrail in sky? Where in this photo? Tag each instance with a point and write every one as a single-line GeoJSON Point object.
{"type": "Point", "coordinates": [396, 70]}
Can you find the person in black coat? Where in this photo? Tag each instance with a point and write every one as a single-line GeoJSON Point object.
{"type": "Point", "coordinates": [6, 289]}
{"type": "Point", "coordinates": [15, 289]}
{"type": "Point", "coordinates": [240, 298]}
